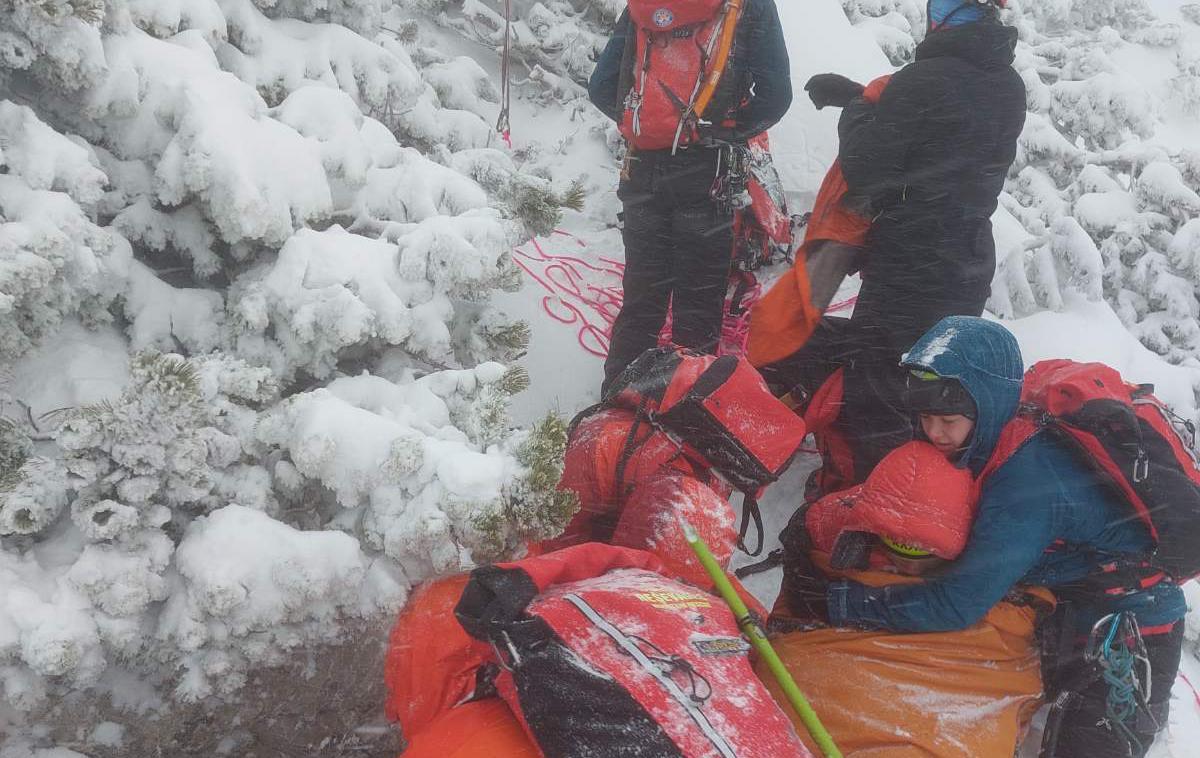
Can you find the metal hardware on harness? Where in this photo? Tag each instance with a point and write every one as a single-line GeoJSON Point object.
{"type": "Point", "coordinates": [502, 121]}
{"type": "Point", "coordinates": [1122, 647]}
{"type": "Point", "coordinates": [514, 661]}
{"type": "Point", "coordinates": [1141, 467]}
{"type": "Point", "coordinates": [733, 177]}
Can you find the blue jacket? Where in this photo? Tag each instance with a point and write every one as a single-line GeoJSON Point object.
{"type": "Point", "coordinates": [1042, 495]}
{"type": "Point", "coordinates": [759, 56]}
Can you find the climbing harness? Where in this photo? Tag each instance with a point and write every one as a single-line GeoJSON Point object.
{"type": "Point", "coordinates": [1121, 650]}
{"type": "Point", "coordinates": [1116, 654]}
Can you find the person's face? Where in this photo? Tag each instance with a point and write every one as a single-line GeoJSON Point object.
{"type": "Point", "coordinates": [949, 434]}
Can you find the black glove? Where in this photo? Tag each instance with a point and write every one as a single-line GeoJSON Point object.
{"type": "Point", "coordinates": [718, 134]}
{"type": "Point", "coordinates": [795, 539]}
{"type": "Point", "coordinates": [805, 589]}
{"type": "Point", "coordinates": [832, 89]}
{"type": "Point", "coordinates": [493, 598]}
{"type": "Point", "coordinates": [853, 550]}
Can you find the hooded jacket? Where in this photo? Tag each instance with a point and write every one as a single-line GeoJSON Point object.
{"type": "Point", "coordinates": [929, 161]}
{"type": "Point", "coordinates": [1044, 518]}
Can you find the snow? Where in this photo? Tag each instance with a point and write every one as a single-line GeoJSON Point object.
{"type": "Point", "coordinates": [259, 306]}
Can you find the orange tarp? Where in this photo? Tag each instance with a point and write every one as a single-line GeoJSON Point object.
{"type": "Point", "coordinates": [431, 660]}
{"type": "Point", "coordinates": [936, 695]}
{"type": "Point", "coordinates": [482, 729]}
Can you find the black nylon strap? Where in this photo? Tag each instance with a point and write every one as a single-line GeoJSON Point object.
{"type": "Point", "coordinates": [773, 560]}
{"type": "Point", "coordinates": [750, 511]}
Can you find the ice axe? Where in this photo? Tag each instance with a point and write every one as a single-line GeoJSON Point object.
{"type": "Point", "coordinates": [758, 639]}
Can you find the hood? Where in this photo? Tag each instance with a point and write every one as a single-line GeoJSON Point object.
{"type": "Point", "coordinates": [985, 358]}
{"type": "Point", "coordinates": [984, 44]}
{"type": "Point", "coordinates": [913, 496]}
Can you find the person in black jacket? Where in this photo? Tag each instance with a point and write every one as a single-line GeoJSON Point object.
{"type": "Point", "coordinates": [678, 231]}
{"type": "Point", "coordinates": [926, 164]}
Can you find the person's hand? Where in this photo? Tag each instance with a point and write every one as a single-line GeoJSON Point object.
{"type": "Point", "coordinates": [832, 89]}
{"type": "Point", "coordinates": [795, 539]}
{"type": "Point", "coordinates": [805, 588]}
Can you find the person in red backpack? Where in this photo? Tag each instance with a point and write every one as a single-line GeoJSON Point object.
{"type": "Point", "coordinates": [926, 163]}
{"type": "Point", "coordinates": [1046, 517]}
{"type": "Point", "coordinates": [688, 83]}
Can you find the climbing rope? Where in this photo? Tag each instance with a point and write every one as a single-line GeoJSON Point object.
{"type": "Point", "coordinates": [502, 123]}
{"type": "Point", "coordinates": [588, 295]}
{"type": "Point", "coordinates": [1117, 655]}
{"type": "Point", "coordinates": [1190, 686]}
{"type": "Point", "coordinates": [578, 292]}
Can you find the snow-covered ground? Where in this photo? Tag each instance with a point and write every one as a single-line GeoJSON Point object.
{"type": "Point", "coordinates": [313, 189]}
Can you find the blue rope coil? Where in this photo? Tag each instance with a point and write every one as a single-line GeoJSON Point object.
{"type": "Point", "coordinates": [1117, 658]}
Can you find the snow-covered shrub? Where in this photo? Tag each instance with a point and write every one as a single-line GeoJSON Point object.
{"type": "Point", "coordinates": [56, 261]}
{"type": "Point", "coordinates": [428, 469]}
{"type": "Point", "coordinates": [257, 200]}
{"type": "Point", "coordinates": [57, 41]}
{"type": "Point", "coordinates": [1111, 204]}
{"type": "Point", "coordinates": [160, 445]}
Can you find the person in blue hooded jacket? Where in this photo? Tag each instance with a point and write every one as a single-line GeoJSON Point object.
{"type": "Point", "coordinates": [1044, 519]}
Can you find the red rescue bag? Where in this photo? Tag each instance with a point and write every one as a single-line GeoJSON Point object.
{"type": "Point", "coordinates": [1146, 452]}
{"type": "Point", "coordinates": [624, 662]}
{"type": "Point", "coordinates": [717, 408]}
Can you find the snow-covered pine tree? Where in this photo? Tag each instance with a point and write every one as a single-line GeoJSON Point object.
{"type": "Point", "coordinates": [289, 215]}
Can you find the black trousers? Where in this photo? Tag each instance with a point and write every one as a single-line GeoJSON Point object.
{"type": "Point", "coordinates": [1086, 731]}
{"type": "Point", "coordinates": [891, 314]}
{"type": "Point", "coordinates": [678, 244]}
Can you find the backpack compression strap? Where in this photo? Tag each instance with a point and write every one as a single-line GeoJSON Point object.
{"type": "Point", "coordinates": [730, 19]}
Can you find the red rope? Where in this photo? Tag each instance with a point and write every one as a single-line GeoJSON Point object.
{"type": "Point", "coordinates": [842, 305]}
{"type": "Point", "coordinates": [574, 298]}
{"type": "Point", "coordinates": [1191, 687]}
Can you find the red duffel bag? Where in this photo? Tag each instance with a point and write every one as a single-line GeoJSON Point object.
{"type": "Point", "coordinates": [598, 653]}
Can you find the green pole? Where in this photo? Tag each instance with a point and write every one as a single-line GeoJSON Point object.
{"type": "Point", "coordinates": [758, 639]}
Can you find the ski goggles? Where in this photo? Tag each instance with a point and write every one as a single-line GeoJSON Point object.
{"type": "Point", "coordinates": [927, 392]}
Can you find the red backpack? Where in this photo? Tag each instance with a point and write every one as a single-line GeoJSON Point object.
{"type": "Point", "coordinates": [1145, 451]}
{"type": "Point", "coordinates": [718, 408]}
{"type": "Point", "coordinates": [675, 69]}
{"type": "Point", "coordinates": [719, 412]}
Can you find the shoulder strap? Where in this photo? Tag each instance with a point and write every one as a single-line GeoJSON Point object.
{"type": "Point", "coordinates": [628, 56]}
{"type": "Point", "coordinates": [731, 15]}
{"type": "Point", "coordinates": [1012, 438]}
